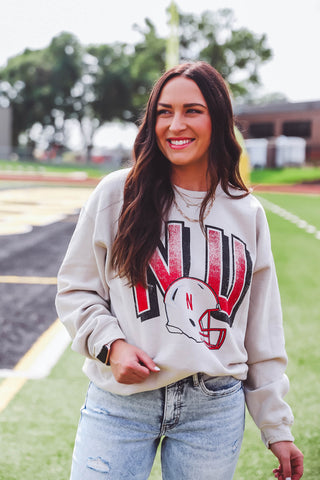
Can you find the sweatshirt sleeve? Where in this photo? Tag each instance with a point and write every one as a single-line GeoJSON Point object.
{"type": "Point", "coordinates": [82, 301]}
{"type": "Point", "coordinates": [266, 383]}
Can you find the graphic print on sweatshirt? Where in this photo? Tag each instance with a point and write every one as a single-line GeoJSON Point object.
{"type": "Point", "coordinates": [197, 308]}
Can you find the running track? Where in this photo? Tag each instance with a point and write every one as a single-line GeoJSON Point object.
{"type": "Point", "coordinates": [36, 224]}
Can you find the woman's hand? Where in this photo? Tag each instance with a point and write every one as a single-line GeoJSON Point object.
{"type": "Point", "coordinates": [130, 364]}
{"type": "Point", "coordinates": [290, 459]}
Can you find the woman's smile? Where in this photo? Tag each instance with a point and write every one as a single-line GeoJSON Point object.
{"type": "Point", "coordinates": [179, 143]}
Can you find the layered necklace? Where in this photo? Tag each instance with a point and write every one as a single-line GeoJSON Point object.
{"type": "Point", "coordinates": [190, 201]}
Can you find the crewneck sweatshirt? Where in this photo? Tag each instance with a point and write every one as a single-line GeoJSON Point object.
{"type": "Point", "coordinates": [211, 305]}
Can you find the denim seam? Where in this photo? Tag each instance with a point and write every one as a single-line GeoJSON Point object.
{"type": "Point", "coordinates": [222, 392]}
{"type": "Point", "coordinates": [168, 425]}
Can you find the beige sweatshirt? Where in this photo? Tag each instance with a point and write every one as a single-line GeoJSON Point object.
{"type": "Point", "coordinates": [212, 304]}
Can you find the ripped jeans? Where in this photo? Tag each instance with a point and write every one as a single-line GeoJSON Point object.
{"type": "Point", "coordinates": [200, 420]}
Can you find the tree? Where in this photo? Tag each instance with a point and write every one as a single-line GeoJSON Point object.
{"type": "Point", "coordinates": [236, 53]}
{"type": "Point", "coordinates": [40, 86]}
{"type": "Point", "coordinates": [148, 62]}
{"type": "Point", "coordinates": [24, 82]}
{"type": "Point", "coordinates": [112, 84]}
{"type": "Point", "coordinates": [100, 83]}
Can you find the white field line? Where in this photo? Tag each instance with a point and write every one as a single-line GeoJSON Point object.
{"type": "Point", "coordinates": [36, 363]}
{"type": "Point", "coordinates": [42, 357]}
{"type": "Point", "coordinates": [299, 222]}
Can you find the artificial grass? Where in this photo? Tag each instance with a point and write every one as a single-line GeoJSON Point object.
{"type": "Point", "coordinates": [306, 207]}
{"type": "Point", "coordinates": [297, 261]}
{"type": "Point", "coordinates": [37, 429]}
{"type": "Point", "coordinates": [93, 171]}
{"type": "Point", "coordinates": [287, 175]}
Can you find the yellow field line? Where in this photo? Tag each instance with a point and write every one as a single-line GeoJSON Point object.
{"type": "Point", "coordinates": [11, 386]}
{"type": "Point", "coordinates": [28, 280]}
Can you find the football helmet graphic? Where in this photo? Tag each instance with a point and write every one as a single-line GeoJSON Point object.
{"type": "Point", "coordinates": [188, 304]}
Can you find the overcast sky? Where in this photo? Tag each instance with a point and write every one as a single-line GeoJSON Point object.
{"type": "Point", "coordinates": [292, 28]}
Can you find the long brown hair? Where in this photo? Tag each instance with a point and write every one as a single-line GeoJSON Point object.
{"type": "Point", "coordinates": [148, 192]}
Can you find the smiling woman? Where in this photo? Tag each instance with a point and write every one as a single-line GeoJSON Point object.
{"type": "Point", "coordinates": [169, 290]}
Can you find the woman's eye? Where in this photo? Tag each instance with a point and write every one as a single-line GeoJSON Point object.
{"type": "Point", "coordinates": [193, 110]}
{"type": "Point", "coordinates": [163, 112]}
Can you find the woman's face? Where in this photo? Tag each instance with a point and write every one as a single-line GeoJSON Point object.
{"type": "Point", "coordinates": [183, 127]}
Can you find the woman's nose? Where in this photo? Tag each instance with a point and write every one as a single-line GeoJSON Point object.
{"type": "Point", "coordinates": [177, 123]}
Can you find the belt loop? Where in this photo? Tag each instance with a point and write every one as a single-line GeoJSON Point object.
{"type": "Point", "coordinates": [195, 379]}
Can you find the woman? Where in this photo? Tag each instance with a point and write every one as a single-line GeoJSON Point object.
{"type": "Point", "coordinates": [169, 289]}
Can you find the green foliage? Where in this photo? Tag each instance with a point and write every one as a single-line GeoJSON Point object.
{"type": "Point", "coordinates": [147, 64]}
{"type": "Point", "coordinates": [235, 53]}
{"type": "Point", "coordinates": [40, 85]}
{"type": "Point", "coordinates": [28, 79]}
{"type": "Point", "coordinates": [64, 58]}
{"type": "Point", "coordinates": [112, 82]}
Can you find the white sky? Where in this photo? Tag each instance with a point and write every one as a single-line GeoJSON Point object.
{"type": "Point", "coordinates": [292, 28]}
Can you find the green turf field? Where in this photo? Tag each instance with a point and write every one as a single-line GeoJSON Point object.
{"type": "Point", "coordinates": [37, 428]}
{"type": "Point", "coordinates": [287, 175]}
{"type": "Point", "coordinates": [284, 175]}
{"type": "Point", "coordinates": [92, 171]}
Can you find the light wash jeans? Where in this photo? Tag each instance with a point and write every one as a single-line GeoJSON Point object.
{"type": "Point", "coordinates": [200, 420]}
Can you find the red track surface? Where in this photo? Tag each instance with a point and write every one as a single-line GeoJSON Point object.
{"type": "Point", "coordinates": [303, 188]}
{"type": "Point", "coordinates": [65, 179]}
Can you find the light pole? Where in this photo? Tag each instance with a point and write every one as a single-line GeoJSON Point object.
{"type": "Point", "coordinates": [172, 52]}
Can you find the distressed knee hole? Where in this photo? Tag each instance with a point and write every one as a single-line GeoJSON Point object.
{"type": "Point", "coordinates": [98, 464]}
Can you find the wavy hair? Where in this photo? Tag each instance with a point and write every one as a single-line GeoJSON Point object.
{"type": "Point", "coordinates": [148, 192]}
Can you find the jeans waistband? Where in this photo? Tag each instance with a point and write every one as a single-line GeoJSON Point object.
{"type": "Point", "coordinates": [197, 377]}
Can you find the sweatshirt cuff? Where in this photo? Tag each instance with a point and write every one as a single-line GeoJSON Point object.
{"type": "Point", "coordinates": [276, 433]}
{"type": "Point", "coordinates": [103, 334]}
{"type": "Point", "coordinates": [115, 334]}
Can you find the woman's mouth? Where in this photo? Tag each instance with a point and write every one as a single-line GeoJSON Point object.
{"type": "Point", "coordinates": [178, 143]}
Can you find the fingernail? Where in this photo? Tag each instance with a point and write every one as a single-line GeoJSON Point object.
{"type": "Point", "coordinates": [157, 369]}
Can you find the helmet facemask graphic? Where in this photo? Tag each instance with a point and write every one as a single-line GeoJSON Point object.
{"type": "Point", "coordinates": [189, 304]}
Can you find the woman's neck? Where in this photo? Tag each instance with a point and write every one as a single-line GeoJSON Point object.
{"type": "Point", "coordinates": [190, 182]}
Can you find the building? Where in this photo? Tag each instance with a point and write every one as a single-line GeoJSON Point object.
{"type": "Point", "coordinates": [5, 132]}
{"type": "Point", "coordinates": [270, 121]}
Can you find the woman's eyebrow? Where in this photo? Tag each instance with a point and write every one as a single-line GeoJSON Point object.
{"type": "Point", "coordinates": [194, 104]}
{"type": "Point", "coordinates": [167, 105]}
{"type": "Point", "coordinates": [186, 105]}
